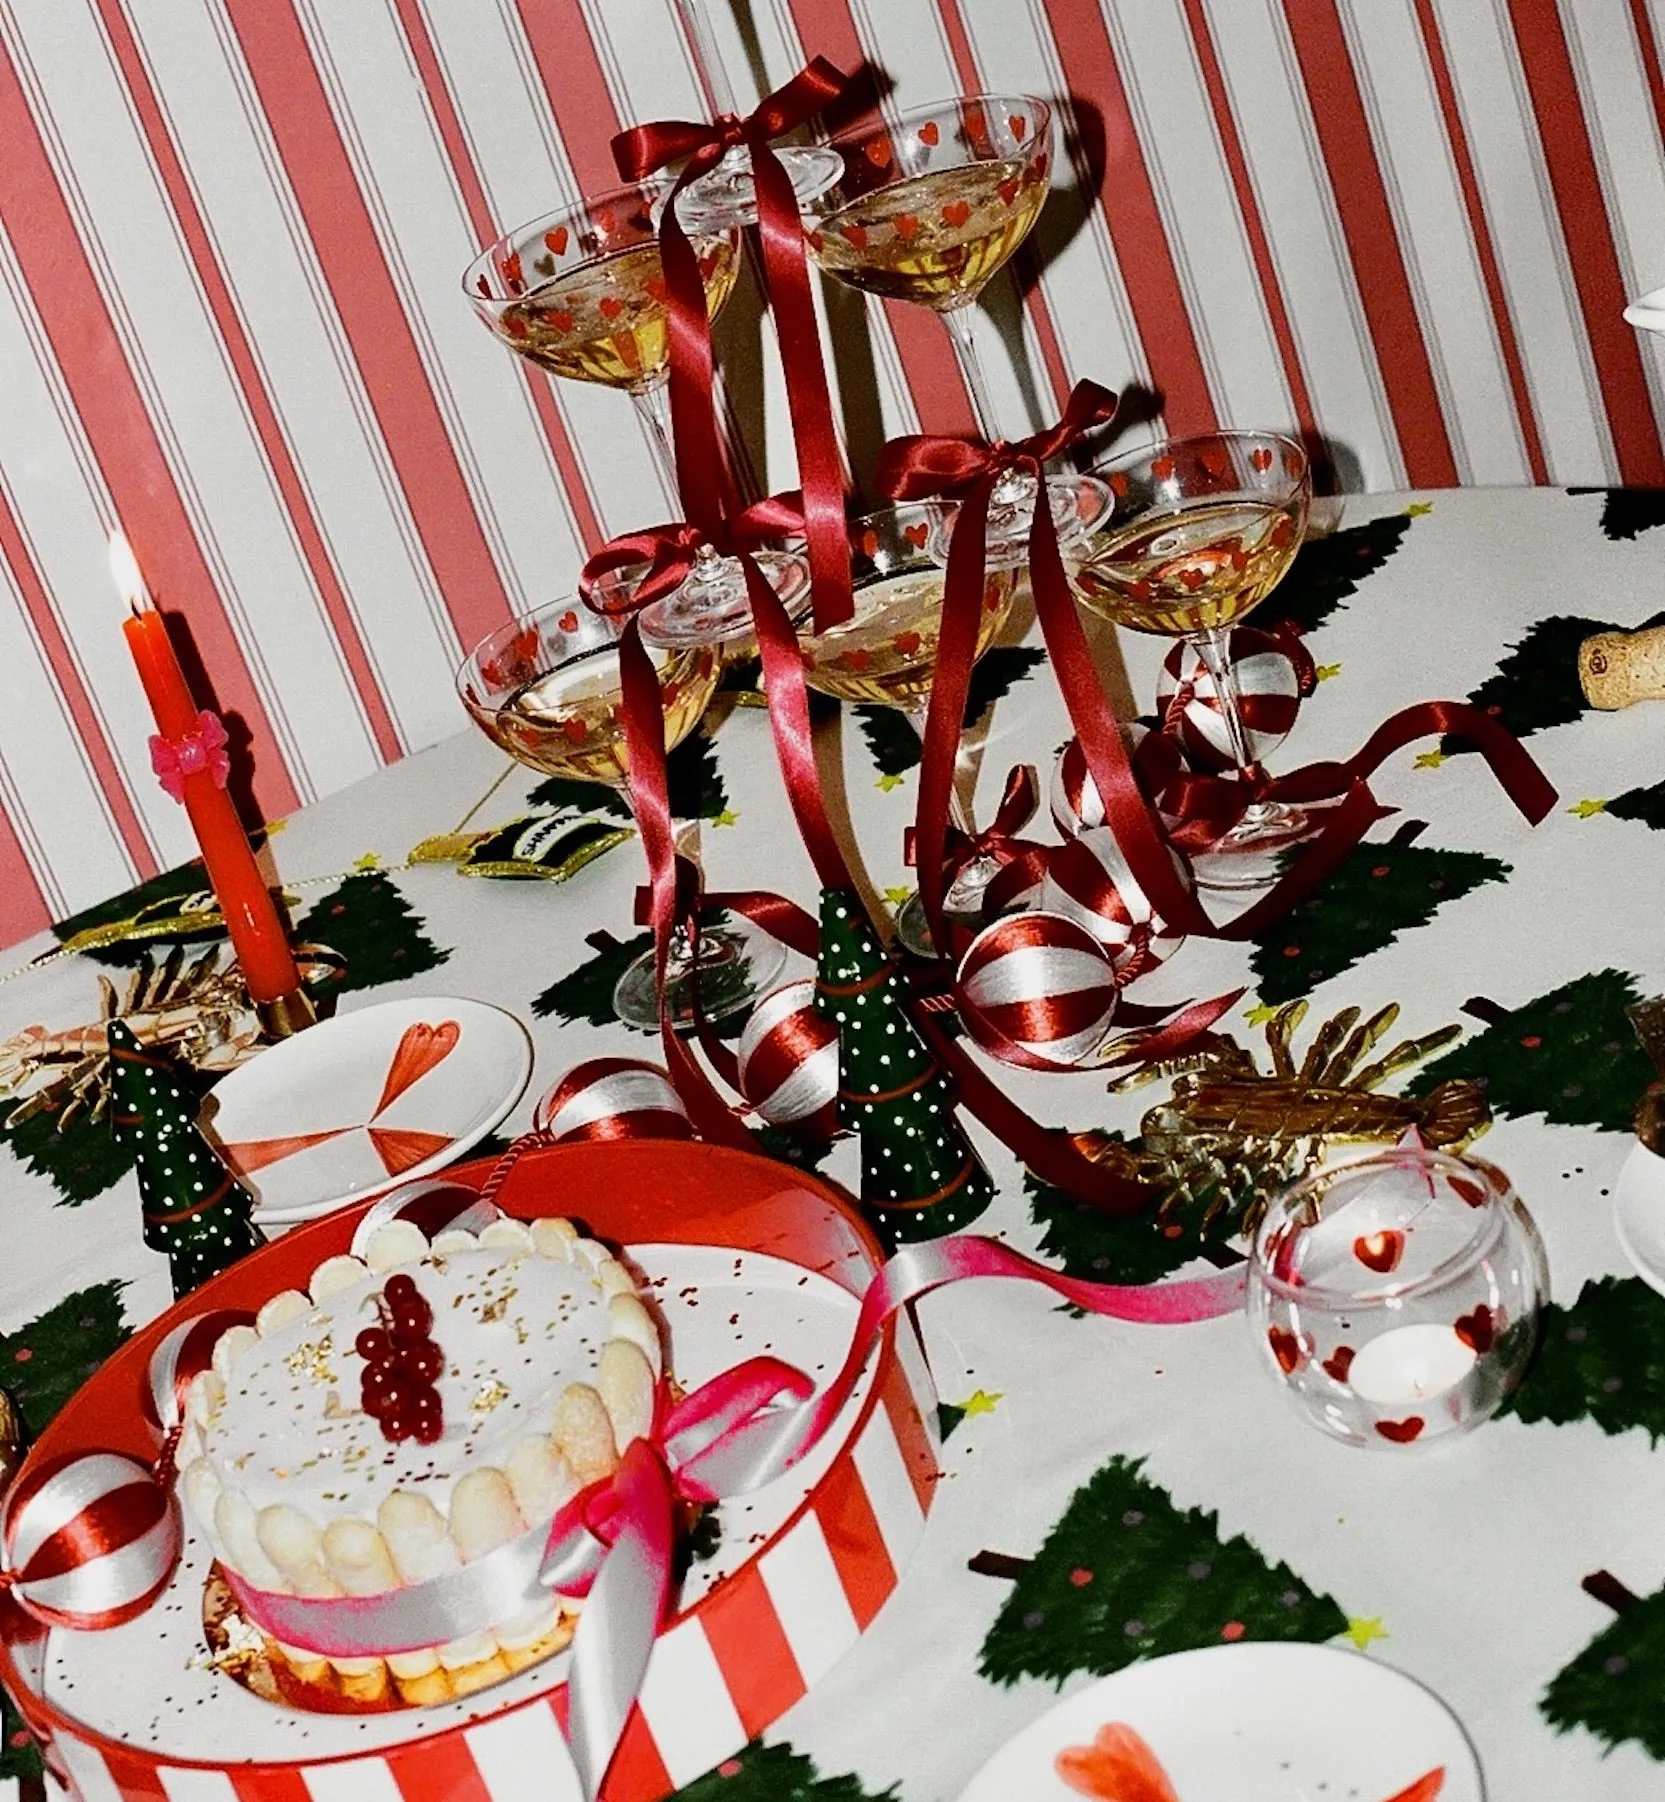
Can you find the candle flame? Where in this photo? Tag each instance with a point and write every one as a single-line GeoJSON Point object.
{"type": "Point", "coordinates": [124, 572]}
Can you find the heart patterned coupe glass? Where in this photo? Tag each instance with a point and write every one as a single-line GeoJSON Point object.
{"type": "Point", "coordinates": [1396, 1296]}
{"type": "Point", "coordinates": [546, 688]}
{"type": "Point", "coordinates": [886, 655]}
{"type": "Point", "coordinates": [1199, 532]}
{"type": "Point", "coordinates": [581, 293]}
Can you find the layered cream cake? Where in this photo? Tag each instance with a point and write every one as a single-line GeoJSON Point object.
{"type": "Point", "coordinates": [549, 1368]}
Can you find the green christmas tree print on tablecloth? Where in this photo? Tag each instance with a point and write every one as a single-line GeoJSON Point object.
{"type": "Point", "coordinates": [369, 921]}
{"type": "Point", "coordinates": [1615, 1687]}
{"type": "Point", "coordinates": [1601, 1359]}
{"type": "Point", "coordinates": [1569, 1055]}
{"type": "Point", "coordinates": [1327, 571]}
{"type": "Point", "coordinates": [1628, 512]}
{"type": "Point", "coordinates": [1374, 894]}
{"type": "Point", "coordinates": [194, 1208]}
{"type": "Point", "coordinates": [1125, 1574]}
{"type": "Point", "coordinates": [763, 1773]}
{"type": "Point", "coordinates": [894, 743]}
{"type": "Point", "coordinates": [1644, 804]}
{"type": "Point", "coordinates": [1122, 1248]}
{"type": "Point", "coordinates": [919, 1175]}
{"type": "Point", "coordinates": [80, 1162]}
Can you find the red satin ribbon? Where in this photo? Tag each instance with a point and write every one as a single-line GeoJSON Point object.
{"type": "Point", "coordinates": [1022, 861]}
{"type": "Point", "coordinates": [917, 467]}
{"type": "Point", "coordinates": [645, 148]}
{"type": "Point", "coordinates": [670, 551]}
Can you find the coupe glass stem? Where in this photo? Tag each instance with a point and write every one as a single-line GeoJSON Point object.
{"type": "Point", "coordinates": [971, 367]}
{"type": "Point", "coordinates": [707, 63]}
{"type": "Point", "coordinates": [1212, 647]}
{"type": "Point", "coordinates": [653, 403]}
{"type": "Point", "coordinates": [958, 813]}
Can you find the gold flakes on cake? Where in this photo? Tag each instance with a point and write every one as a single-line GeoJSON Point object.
{"type": "Point", "coordinates": [313, 1358]}
{"type": "Point", "coordinates": [494, 1394]}
{"type": "Point", "coordinates": [335, 1408]}
{"type": "Point", "coordinates": [495, 1310]}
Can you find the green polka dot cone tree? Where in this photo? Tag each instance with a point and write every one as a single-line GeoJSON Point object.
{"type": "Point", "coordinates": [194, 1208]}
{"type": "Point", "coordinates": [920, 1177]}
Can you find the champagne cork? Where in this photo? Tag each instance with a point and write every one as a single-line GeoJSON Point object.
{"type": "Point", "coordinates": [1617, 669]}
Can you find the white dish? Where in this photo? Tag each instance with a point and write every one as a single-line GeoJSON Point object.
{"type": "Point", "coordinates": [355, 1104]}
{"type": "Point", "coordinates": [1639, 1214]}
{"type": "Point", "coordinates": [1251, 1722]}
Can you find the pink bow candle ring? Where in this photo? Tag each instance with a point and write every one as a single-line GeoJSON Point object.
{"type": "Point", "coordinates": [1395, 1297]}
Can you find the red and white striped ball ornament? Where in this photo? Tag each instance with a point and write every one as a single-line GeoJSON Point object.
{"type": "Point", "coordinates": [185, 1353]}
{"type": "Point", "coordinates": [1073, 795]}
{"type": "Point", "coordinates": [612, 1098]}
{"type": "Point", "coordinates": [1037, 989]}
{"type": "Point", "coordinates": [432, 1204]}
{"type": "Point", "coordinates": [1088, 880]}
{"type": "Point", "coordinates": [88, 1541]}
{"type": "Point", "coordinates": [1269, 687]}
{"type": "Point", "coordinates": [788, 1058]}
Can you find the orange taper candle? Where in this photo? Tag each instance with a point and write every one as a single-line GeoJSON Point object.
{"type": "Point", "coordinates": [188, 754]}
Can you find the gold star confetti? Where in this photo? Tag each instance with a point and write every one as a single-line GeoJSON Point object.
{"type": "Point", "coordinates": [898, 897]}
{"type": "Point", "coordinates": [1326, 670]}
{"type": "Point", "coordinates": [1430, 760]}
{"type": "Point", "coordinates": [728, 817]}
{"type": "Point", "coordinates": [887, 783]}
{"type": "Point", "coordinates": [369, 861]}
{"type": "Point", "coordinates": [1364, 1629]}
{"type": "Point", "coordinates": [1587, 810]}
{"type": "Point", "coordinates": [1417, 508]}
{"type": "Point", "coordinates": [1261, 1015]}
{"type": "Point", "coordinates": [981, 1401]}
{"type": "Point", "coordinates": [273, 827]}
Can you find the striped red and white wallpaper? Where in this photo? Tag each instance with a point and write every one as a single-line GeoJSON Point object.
{"type": "Point", "coordinates": [230, 320]}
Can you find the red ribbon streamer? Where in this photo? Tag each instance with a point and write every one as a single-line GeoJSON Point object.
{"type": "Point", "coordinates": [638, 152]}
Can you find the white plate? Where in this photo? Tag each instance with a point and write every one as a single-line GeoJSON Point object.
{"type": "Point", "coordinates": [1639, 1214]}
{"type": "Point", "coordinates": [356, 1104]}
{"type": "Point", "coordinates": [1250, 1722]}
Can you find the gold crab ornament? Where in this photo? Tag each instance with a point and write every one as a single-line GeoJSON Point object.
{"type": "Point", "coordinates": [1230, 1135]}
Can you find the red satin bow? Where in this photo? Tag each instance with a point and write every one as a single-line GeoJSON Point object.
{"type": "Point", "coordinates": [910, 469]}
{"type": "Point", "coordinates": [671, 550]}
{"type": "Point", "coordinates": [645, 148]}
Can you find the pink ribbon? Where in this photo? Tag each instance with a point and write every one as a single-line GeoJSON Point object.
{"type": "Point", "coordinates": [173, 759]}
{"type": "Point", "coordinates": [613, 1541]}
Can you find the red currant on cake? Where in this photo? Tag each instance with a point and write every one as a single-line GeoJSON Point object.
{"type": "Point", "coordinates": [402, 1366]}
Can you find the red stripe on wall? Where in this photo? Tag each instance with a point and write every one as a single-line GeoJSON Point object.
{"type": "Point", "coordinates": [929, 366]}
{"type": "Point", "coordinates": [279, 458]}
{"type": "Point", "coordinates": [1582, 206]}
{"type": "Point", "coordinates": [1384, 287]}
{"type": "Point", "coordinates": [1490, 270]}
{"type": "Point", "coordinates": [752, 1649]}
{"type": "Point", "coordinates": [1137, 233]}
{"type": "Point", "coordinates": [1026, 263]}
{"type": "Point", "coordinates": [66, 673]}
{"type": "Point", "coordinates": [368, 304]}
{"type": "Point", "coordinates": [574, 479]}
{"type": "Point", "coordinates": [853, 1538]}
{"type": "Point", "coordinates": [1647, 45]}
{"type": "Point", "coordinates": [118, 428]}
{"type": "Point", "coordinates": [441, 1766]}
{"type": "Point", "coordinates": [23, 908]}
{"type": "Point", "coordinates": [1248, 207]}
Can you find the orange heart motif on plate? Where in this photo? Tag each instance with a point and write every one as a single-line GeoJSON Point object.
{"type": "Point", "coordinates": [956, 212]}
{"type": "Point", "coordinates": [402, 1151]}
{"type": "Point", "coordinates": [916, 535]}
{"type": "Point", "coordinates": [1478, 1330]}
{"type": "Point", "coordinates": [421, 1048]}
{"type": "Point", "coordinates": [906, 225]}
{"type": "Point", "coordinates": [1401, 1432]}
{"type": "Point", "coordinates": [611, 307]}
{"type": "Point", "coordinates": [1338, 1363]}
{"type": "Point", "coordinates": [1009, 190]}
{"type": "Point", "coordinates": [878, 153]}
{"type": "Point", "coordinates": [1162, 469]}
{"type": "Point", "coordinates": [1117, 1767]}
{"type": "Point", "coordinates": [1260, 458]}
{"type": "Point", "coordinates": [930, 133]}
{"type": "Point", "coordinates": [1381, 1251]}
{"type": "Point", "coordinates": [1019, 125]}
{"type": "Point", "coordinates": [1286, 1348]}
{"type": "Point", "coordinates": [557, 240]}
{"type": "Point", "coordinates": [1426, 1788]}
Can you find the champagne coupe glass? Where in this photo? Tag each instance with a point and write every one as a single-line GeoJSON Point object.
{"type": "Point", "coordinates": [1200, 531]}
{"type": "Point", "coordinates": [546, 688]}
{"type": "Point", "coordinates": [929, 208]}
{"type": "Point", "coordinates": [886, 654]}
{"type": "Point", "coordinates": [581, 293]}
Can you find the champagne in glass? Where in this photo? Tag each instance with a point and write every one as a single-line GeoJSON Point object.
{"type": "Point", "coordinates": [1200, 531]}
{"type": "Point", "coordinates": [547, 689]}
{"type": "Point", "coordinates": [886, 655]}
